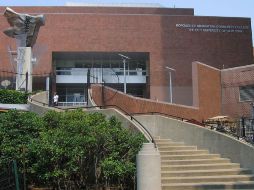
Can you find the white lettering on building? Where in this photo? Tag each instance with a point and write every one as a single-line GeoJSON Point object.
{"type": "Point", "coordinates": [212, 28]}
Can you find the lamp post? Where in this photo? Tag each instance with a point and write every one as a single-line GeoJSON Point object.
{"type": "Point", "coordinates": [124, 57]}
{"type": "Point", "coordinates": [170, 83]}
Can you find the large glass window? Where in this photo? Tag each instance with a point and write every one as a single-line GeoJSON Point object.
{"type": "Point", "coordinates": [105, 67]}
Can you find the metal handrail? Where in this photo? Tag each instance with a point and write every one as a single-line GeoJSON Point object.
{"type": "Point", "coordinates": [101, 107]}
{"type": "Point", "coordinates": [33, 100]}
{"type": "Point", "coordinates": [122, 110]}
{"type": "Point", "coordinates": [193, 121]}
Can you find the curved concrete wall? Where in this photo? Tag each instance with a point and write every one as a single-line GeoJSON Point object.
{"type": "Point", "coordinates": [124, 119]}
{"type": "Point", "coordinates": [192, 134]}
{"type": "Point", "coordinates": [39, 102]}
{"type": "Point", "coordinates": [40, 109]}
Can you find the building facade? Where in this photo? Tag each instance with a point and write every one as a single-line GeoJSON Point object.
{"type": "Point", "coordinates": [77, 39]}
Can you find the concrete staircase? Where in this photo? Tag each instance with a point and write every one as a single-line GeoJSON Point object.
{"type": "Point", "coordinates": [187, 168]}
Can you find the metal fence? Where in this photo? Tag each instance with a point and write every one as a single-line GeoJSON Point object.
{"type": "Point", "coordinates": [247, 129]}
{"type": "Point", "coordinates": [9, 179]}
{"type": "Point", "coordinates": [7, 80]}
{"type": "Point", "coordinates": [242, 129]}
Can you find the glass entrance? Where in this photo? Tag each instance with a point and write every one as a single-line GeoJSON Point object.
{"type": "Point", "coordinates": [105, 67]}
{"type": "Point", "coordinates": [71, 95]}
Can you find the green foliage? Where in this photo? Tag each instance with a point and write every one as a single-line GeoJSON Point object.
{"type": "Point", "coordinates": [70, 149]}
{"type": "Point", "coordinates": [17, 130]}
{"type": "Point", "coordinates": [13, 97]}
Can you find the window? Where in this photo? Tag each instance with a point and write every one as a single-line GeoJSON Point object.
{"type": "Point", "coordinates": [246, 93]}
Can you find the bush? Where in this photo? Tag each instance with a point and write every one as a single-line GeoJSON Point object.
{"type": "Point", "coordinates": [17, 130]}
{"type": "Point", "coordinates": [73, 150]}
{"type": "Point", "coordinates": [13, 97]}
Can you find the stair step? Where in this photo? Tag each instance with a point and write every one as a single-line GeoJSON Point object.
{"type": "Point", "coordinates": [184, 152]}
{"type": "Point", "coordinates": [163, 140]}
{"type": "Point", "coordinates": [163, 144]}
{"type": "Point", "coordinates": [170, 148]}
{"type": "Point", "coordinates": [189, 157]}
{"type": "Point", "coordinates": [185, 167]}
{"type": "Point", "coordinates": [209, 186]}
{"type": "Point", "coordinates": [156, 137]}
{"type": "Point", "coordinates": [199, 167]}
{"type": "Point", "coordinates": [196, 161]}
{"type": "Point", "coordinates": [206, 179]}
{"type": "Point", "coordinates": [217, 172]}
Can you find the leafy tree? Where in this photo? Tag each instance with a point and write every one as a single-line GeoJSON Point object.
{"type": "Point", "coordinates": [71, 150]}
{"type": "Point", "coordinates": [17, 130]}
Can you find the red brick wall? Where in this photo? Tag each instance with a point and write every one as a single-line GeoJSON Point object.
{"type": "Point", "coordinates": [231, 80]}
{"type": "Point", "coordinates": [150, 30]}
{"type": "Point", "coordinates": [220, 50]}
{"type": "Point", "coordinates": [207, 90]}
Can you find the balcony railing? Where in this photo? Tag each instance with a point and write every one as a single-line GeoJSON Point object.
{"type": "Point", "coordinates": [114, 75]}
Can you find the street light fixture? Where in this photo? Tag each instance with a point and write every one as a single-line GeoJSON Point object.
{"type": "Point", "coordinates": [170, 82]}
{"type": "Point", "coordinates": [124, 57]}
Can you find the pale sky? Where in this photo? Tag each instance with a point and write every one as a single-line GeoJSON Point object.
{"type": "Point", "coordinates": [228, 8]}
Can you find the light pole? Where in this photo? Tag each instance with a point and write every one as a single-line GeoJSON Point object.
{"type": "Point", "coordinates": [170, 83]}
{"type": "Point", "coordinates": [124, 57]}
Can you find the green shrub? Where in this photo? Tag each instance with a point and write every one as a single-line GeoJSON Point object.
{"type": "Point", "coordinates": [13, 97]}
{"type": "Point", "coordinates": [70, 149]}
{"type": "Point", "coordinates": [17, 130]}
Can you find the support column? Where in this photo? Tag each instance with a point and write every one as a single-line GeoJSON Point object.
{"type": "Point", "coordinates": [148, 168]}
{"type": "Point", "coordinates": [24, 69]}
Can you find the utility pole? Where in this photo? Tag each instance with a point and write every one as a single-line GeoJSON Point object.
{"type": "Point", "coordinates": [124, 57]}
{"type": "Point", "coordinates": [170, 83]}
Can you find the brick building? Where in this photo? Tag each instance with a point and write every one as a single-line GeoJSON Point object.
{"type": "Point", "coordinates": [77, 38]}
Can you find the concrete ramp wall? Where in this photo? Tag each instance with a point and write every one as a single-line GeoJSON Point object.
{"type": "Point", "coordinates": [191, 134]}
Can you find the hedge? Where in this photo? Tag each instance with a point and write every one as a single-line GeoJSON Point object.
{"type": "Point", "coordinates": [13, 97]}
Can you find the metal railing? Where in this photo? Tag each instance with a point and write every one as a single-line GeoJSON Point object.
{"type": "Point", "coordinates": [242, 128]}
{"type": "Point", "coordinates": [103, 107]}
{"type": "Point", "coordinates": [192, 121]}
{"type": "Point", "coordinates": [106, 71]}
{"type": "Point", "coordinates": [72, 104]}
{"type": "Point", "coordinates": [125, 113]}
{"type": "Point", "coordinates": [37, 101]}
{"type": "Point", "coordinates": [9, 179]}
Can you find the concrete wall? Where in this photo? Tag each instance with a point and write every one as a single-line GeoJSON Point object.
{"type": "Point", "coordinates": [206, 93]}
{"type": "Point", "coordinates": [38, 103]}
{"type": "Point", "coordinates": [41, 97]}
{"type": "Point", "coordinates": [125, 120]}
{"type": "Point", "coordinates": [204, 138]}
{"type": "Point", "coordinates": [39, 108]}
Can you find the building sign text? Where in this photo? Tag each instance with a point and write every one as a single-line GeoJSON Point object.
{"type": "Point", "coordinates": [213, 28]}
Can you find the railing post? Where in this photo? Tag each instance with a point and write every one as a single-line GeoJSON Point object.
{"type": "Point", "coordinates": [243, 126]}
{"type": "Point", "coordinates": [252, 128]}
{"type": "Point", "coordinates": [16, 175]}
{"type": "Point", "coordinates": [88, 85]}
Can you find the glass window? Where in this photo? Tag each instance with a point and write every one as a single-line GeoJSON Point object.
{"type": "Point", "coordinates": [246, 93]}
